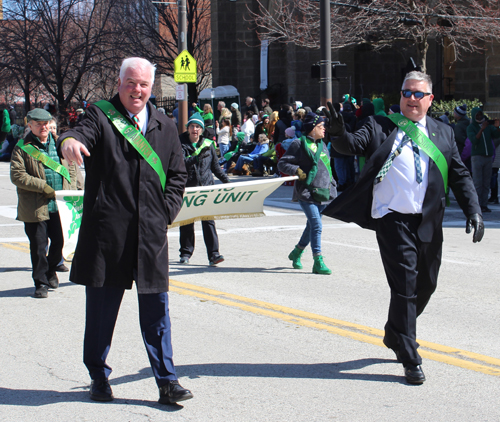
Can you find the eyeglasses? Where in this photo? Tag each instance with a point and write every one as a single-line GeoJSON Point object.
{"type": "Point", "coordinates": [38, 123]}
{"type": "Point", "coordinates": [417, 94]}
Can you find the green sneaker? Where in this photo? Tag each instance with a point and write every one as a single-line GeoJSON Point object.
{"type": "Point", "coordinates": [319, 266]}
{"type": "Point", "coordinates": [295, 256]}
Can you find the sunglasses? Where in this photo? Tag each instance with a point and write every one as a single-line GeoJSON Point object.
{"type": "Point", "coordinates": [417, 94]}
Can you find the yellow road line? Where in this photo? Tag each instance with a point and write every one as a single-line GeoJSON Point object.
{"type": "Point", "coordinates": [18, 246]}
{"type": "Point", "coordinates": [428, 350]}
{"type": "Point", "coordinates": [452, 356]}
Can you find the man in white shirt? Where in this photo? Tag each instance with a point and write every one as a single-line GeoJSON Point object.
{"type": "Point", "coordinates": [401, 194]}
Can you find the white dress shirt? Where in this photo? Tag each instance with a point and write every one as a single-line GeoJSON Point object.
{"type": "Point", "coordinates": [143, 119]}
{"type": "Point", "coordinates": [399, 190]}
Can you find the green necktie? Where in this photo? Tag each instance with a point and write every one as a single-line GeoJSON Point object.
{"type": "Point", "coordinates": [388, 163]}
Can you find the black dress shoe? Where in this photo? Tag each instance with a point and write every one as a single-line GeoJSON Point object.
{"type": "Point", "coordinates": [100, 390]}
{"type": "Point", "coordinates": [414, 374]}
{"type": "Point", "coordinates": [62, 268]}
{"type": "Point", "coordinates": [42, 291]}
{"type": "Point", "coordinates": [53, 280]}
{"type": "Point", "coordinates": [173, 392]}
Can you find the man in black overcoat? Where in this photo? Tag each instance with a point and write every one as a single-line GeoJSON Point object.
{"type": "Point", "coordinates": [401, 195]}
{"type": "Point", "coordinates": [123, 235]}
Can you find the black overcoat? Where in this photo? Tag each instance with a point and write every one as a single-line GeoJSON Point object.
{"type": "Point", "coordinates": [125, 211]}
{"type": "Point", "coordinates": [374, 140]}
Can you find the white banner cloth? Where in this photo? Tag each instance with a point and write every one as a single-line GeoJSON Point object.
{"type": "Point", "coordinates": [229, 200]}
{"type": "Point", "coordinates": [70, 205]}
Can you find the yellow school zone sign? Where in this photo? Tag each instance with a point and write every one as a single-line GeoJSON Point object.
{"type": "Point", "coordinates": [185, 68]}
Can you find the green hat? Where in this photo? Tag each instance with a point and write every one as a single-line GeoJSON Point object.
{"type": "Point", "coordinates": [196, 118]}
{"type": "Point", "coordinates": [38, 115]}
{"type": "Point", "coordinates": [240, 136]}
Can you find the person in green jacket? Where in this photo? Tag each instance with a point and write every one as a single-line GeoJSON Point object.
{"type": "Point", "coordinates": [379, 106]}
{"type": "Point", "coordinates": [5, 129]}
{"type": "Point", "coordinates": [481, 133]}
{"type": "Point", "coordinates": [207, 114]}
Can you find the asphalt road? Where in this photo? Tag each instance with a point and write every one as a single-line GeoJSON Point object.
{"type": "Point", "coordinates": [256, 340]}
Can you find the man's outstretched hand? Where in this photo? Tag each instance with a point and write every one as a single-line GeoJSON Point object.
{"type": "Point", "coordinates": [72, 151]}
{"type": "Point", "coordinates": [335, 124]}
{"type": "Point", "coordinates": [476, 221]}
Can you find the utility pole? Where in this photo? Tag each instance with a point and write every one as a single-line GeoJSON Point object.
{"type": "Point", "coordinates": [181, 46]}
{"type": "Point", "coordinates": [325, 63]}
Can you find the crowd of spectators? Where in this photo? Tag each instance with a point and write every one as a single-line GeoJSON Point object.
{"type": "Point", "coordinates": [477, 137]}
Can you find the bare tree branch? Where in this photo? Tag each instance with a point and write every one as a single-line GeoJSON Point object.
{"type": "Point", "coordinates": [467, 25]}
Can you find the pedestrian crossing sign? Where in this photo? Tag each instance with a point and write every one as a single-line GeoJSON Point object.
{"type": "Point", "coordinates": [185, 68]}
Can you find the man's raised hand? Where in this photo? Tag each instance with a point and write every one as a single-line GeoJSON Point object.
{"type": "Point", "coordinates": [335, 124]}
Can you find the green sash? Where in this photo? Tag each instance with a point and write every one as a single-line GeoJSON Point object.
{"type": "Point", "coordinates": [134, 138]}
{"type": "Point", "coordinates": [206, 143]}
{"type": "Point", "coordinates": [44, 159]}
{"type": "Point", "coordinates": [416, 135]}
{"type": "Point", "coordinates": [318, 194]}
{"type": "Point", "coordinates": [314, 157]}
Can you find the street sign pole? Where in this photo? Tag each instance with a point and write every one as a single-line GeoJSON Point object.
{"type": "Point", "coordinates": [182, 45]}
{"type": "Point", "coordinates": [326, 54]}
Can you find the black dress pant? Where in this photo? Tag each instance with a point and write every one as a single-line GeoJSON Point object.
{"type": "Point", "coordinates": [412, 268]}
{"type": "Point", "coordinates": [103, 304]}
{"type": "Point", "coordinates": [38, 234]}
{"type": "Point", "coordinates": [187, 237]}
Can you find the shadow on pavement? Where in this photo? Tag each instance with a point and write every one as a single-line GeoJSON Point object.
{"type": "Point", "coordinates": [177, 269]}
{"type": "Point", "coordinates": [12, 269]}
{"type": "Point", "coordinates": [28, 291]}
{"type": "Point", "coordinates": [33, 398]}
{"type": "Point", "coordinates": [338, 370]}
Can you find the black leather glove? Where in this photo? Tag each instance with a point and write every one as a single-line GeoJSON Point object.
{"type": "Point", "coordinates": [335, 124]}
{"type": "Point", "coordinates": [476, 221]}
{"type": "Point", "coordinates": [302, 175]}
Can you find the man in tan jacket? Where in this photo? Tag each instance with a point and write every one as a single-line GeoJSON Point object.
{"type": "Point", "coordinates": [38, 172]}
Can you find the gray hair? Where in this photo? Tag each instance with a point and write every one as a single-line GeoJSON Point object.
{"type": "Point", "coordinates": [418, 76]}
{"type": "Point", "coordinates": [134, 62]}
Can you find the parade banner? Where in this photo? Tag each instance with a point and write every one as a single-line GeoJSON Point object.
{"type": "Point", "coordinates": [70, 206]}
{"type": "Point", "coordinates": [229, 200]}
{"type": "Point", "coordinates": [221, 201]}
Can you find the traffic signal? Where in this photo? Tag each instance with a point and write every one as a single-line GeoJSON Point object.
{"type": "Point", "coordinates": [339, 71]}
{"type": "Point", "coordinates": [315, 72]}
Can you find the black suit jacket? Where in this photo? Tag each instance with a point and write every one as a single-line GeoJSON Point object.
{"type": "Point", "coordinates": [374, 140]}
